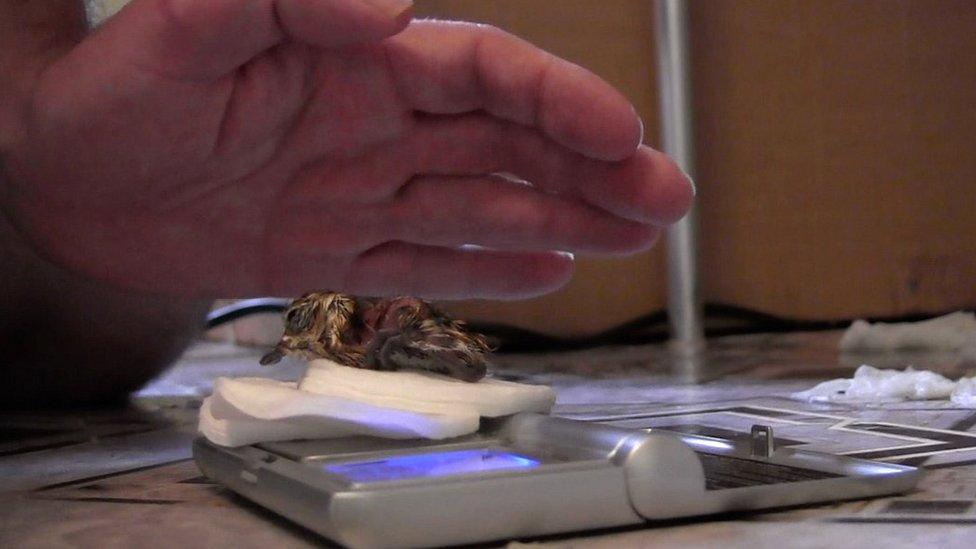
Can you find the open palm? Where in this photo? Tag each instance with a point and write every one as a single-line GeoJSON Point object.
{"type": "Point", "coordinates": [230, 147]}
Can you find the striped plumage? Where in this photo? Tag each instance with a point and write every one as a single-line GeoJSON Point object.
{"type": "Point", "coordinates": [381, 334]}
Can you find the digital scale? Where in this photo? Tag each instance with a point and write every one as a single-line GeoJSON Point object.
{"type": "Point", "coordinates": [529, 475]}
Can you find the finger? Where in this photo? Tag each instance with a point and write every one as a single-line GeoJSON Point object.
{"type": "Point", "coordinates": [451, 211]}
{"type": "Point", "coordinates": [449, 68]}
{"type": "Point", "coordinates": [334, 23]}
{"type": "Point", "coordinates": [191, 39]}
{"type": "Point", "coordinates": [648, 187]}
{"type": "Point", "coordinates": [503, 215]}
{"type": "Point", "coordinates": [428, 272]}
{"type": "Point", "coordinates": [374, 176]}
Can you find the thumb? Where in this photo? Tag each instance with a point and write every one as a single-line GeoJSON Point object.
{"type": "Point", "coordinates": [208, 38]}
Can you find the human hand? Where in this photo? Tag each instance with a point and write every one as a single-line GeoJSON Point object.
{"type": "Point", "coordinates": [229, 148]}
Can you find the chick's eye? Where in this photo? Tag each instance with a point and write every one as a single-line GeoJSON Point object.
{"type": "Point", "coordinates": [296, 320]}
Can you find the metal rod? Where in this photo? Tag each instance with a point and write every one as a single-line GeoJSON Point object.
{"type": "Point", "coordinates": [674, 87]}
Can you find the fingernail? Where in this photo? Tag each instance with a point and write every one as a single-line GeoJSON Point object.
{"type": "Point", "coordinates": [691, 182]}
{"type": "Point", "coordinates": [641, 122]}
{"type": "Point", "coordinates": [392, 8]}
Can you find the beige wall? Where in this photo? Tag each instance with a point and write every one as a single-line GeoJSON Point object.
{"type": "Point", "coordinates": [838, 150]}
{"type": "Point", "coordinates": [837, 170]}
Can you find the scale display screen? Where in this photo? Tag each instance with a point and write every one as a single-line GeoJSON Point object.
{"type": "Point", "coordinates": [434, 464]}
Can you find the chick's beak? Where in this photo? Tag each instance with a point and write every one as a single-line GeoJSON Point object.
{"type": "Point", "coordinates": [272, 357]}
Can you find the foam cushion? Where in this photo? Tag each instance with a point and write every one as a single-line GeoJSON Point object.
{"type": "Point", "coordinates": [425, 392]}
{"type": "Point", "coordinates": [335, 401]}
{"type": "Point", "coordinates": [249, 410]}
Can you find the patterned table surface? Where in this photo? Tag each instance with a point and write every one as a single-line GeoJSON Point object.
{"type": "Point", "coordinates": [124, 478]}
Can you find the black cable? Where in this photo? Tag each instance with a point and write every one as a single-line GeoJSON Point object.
{"type": "Point", "coordinates": [244, 308]}
{"type": "Point", "coordinates": [720, 320]}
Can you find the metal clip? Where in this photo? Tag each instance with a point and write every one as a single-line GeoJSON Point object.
{"type": "Point", "coordinates": [763, 443]}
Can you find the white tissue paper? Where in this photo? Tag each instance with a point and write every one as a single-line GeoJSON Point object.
{"type": "Point", "coordinates": [952, 332]}
{"type": "Point", "coordinates": [965, 392]}
{"type": "Point", "coordinates": [424, 392]}
{"type": "Point", "coordinates": [872, 385]}
{"type": "Point", "coordinates": [334, 401]}
{"type": "Point", "coordinates": [248, 410]}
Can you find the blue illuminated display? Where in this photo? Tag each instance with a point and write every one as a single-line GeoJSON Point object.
{"type": "Point", "coordinates": [438, 464]}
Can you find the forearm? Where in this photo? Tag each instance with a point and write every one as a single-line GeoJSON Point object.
{"type": "Point", "coordinates": [67, 341]}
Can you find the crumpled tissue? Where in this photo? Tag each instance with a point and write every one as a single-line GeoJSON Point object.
{"type": "Point", "coordinates": [873, 385]}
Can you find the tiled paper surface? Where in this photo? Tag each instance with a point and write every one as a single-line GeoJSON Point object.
{"type": "Point", "coordinates": [125, 478]}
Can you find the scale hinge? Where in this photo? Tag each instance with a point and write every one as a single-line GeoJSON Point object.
{"type": "Point", "coordinates": [763, 443]}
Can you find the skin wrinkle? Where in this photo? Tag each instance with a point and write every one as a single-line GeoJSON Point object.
{"type": "Point", "coordinates": [193, 190]}
{"type": "Point", "coordinates": [276, 17]}
{"type": "Point", "coordinates": [236, 80]}
{"type": "Point", "coordinates": [420, 215]}
{"type": "Point", "coordinates": [550, 222]}
{"type": "Point", "coordinates": [520, 216]}
{"type": "Point", "coordinates": [502, 147]}
{"type": "Point", "coordinates": [540, 88]}
{"type": "Point", "coordinates": [532, 149]}
{"type": "Point", "coordinates": [408, 171]}
{"type": "Point", "coordinates": [425, 144]}
{"type": "Point", "coordinates": [281, 62]}
{"type": "Point", "coordinates": [364, 236]}
{"type": "Point", "coordinates": [376, 130]}
{"type": "Point", "coordinates": [174, 19]}
{"type": "Point", "coordinates": [269, 247]}
{"type": "Point", "coordinates": [398, 85]}
{"type": "Point", "coordinates": [309, 89]}
{"type": "Point", "coordinates": [481, 64]}
{"type": "Point", "coordinates": [365, 242]}
{"type": "Point", "coordinates": [399, 212]}
{"type": "Point", "coordinates": [477, 62]}
{"type": "Point", "coordinates": [415, 212]}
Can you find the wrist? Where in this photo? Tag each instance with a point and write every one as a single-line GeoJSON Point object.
{"type": "Point", "coordinates": [69, 341]}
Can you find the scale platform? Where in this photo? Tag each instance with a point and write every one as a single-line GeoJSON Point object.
{"type": "Point", "coordinates": [530, 475]}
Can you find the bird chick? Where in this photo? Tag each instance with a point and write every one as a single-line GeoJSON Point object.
{"type": "Point", "coordinates": [381, 334]}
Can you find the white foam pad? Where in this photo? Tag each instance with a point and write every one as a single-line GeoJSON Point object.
{"type": "Point", "coordinates": [425, 392]}
{"type": "Point", "coordinates": [248, 410]}
{"type": "Point", "coordinates": [335, 401]}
